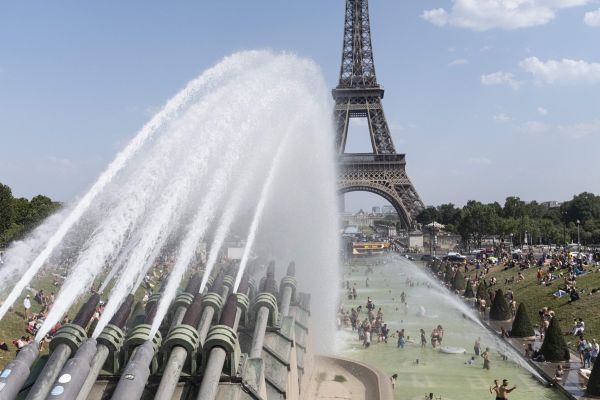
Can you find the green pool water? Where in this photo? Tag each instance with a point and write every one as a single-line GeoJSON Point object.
{"type": "Point", "coordinates": [445, 375]}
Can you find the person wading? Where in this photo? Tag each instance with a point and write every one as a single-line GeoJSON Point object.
{"type": "Point", "coordinates": [503, 390]}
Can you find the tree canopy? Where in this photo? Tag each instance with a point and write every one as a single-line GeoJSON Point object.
{"type": "Point", "coordinates": [19, 215]}
{"type": "Point", "coordinates": [543, 222]}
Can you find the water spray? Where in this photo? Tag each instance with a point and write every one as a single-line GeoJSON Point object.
{"type": "Point", "coordinates": [169, 111]}
{"type": "Point", "coordinates": [264, 194]}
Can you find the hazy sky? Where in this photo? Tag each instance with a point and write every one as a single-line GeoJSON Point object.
{"type": "Point", "coordinates": [487, 99]}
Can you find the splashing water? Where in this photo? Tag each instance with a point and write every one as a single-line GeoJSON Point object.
{"type": "Point", "coordinates": [227, 149]}
{"type": "Point", "coordinates": [230, 211]}
{"type": "Point", "coordinates": [246, 116]}
{"type": "Point", "coordinates": [169, 111]}
{"type": "Point", "coordinates": [450, 298]}
{"type": "Point", "coordinates": [258, 214]}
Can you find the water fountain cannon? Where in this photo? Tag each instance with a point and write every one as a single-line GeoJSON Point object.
{"type": "Point", "coordinates": [141, 335]}
{"type": "Point", "coordinates": [15, 373]}
{"type": "Point", "coordinates": [266, 313]}
{"type": "Point", "coordinates": [288, 289]}
{"type": "Point", "coordinates": [252, 288]}
{"type": "Point", "coordinates": [222, 351]}
{"type": "Point", "coordinates": [228, 283]}
{"type": "Point", "coordinates": [270, 272]}
{"type": "Point", "coordinates": [87, 310]}
{"type": "Point", "coordinates": [217, 284]}
{"type": "Point", "coordinates": [180, 349]}
{"type": "Point", "coordinates": [66, 342]}
{"type": "Point", "coordinates": [74, 373]}
{"type": "Point", "coordinates": [133, 379]}
{"type": "Point", "coordinates": [120, 318]}
{"type": "Point", "coordinates": [243, 301]}
{"type": "Point", "coordinates": [109, 344]}
{"type": "Point", "coordinates": [183, 300]}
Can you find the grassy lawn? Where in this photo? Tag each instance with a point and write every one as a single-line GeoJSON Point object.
{"type": "Point", "coordinates": [536, 296]}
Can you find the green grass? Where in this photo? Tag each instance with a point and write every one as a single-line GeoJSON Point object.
{"type": "Point", "coordinates": [536, 296]}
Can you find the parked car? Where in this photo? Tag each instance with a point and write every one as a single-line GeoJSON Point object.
{"type": "Point", "coordinates": [429, 258]}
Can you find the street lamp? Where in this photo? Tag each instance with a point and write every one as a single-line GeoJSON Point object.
{"type": "Point", "coordinates": [578, 237]}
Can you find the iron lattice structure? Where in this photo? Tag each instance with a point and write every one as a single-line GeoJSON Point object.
{"type": "Point", "coordinates": [358, 95]}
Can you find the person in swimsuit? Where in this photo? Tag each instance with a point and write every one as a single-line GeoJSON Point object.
{"type": "Point", "coordinates": [503, 390]}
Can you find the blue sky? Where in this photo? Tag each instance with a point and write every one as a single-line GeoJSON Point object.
{"type": "Point", "coordinates": [487, 98]}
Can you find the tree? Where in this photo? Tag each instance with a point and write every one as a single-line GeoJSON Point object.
{"type": "Point", "coordinates": [458, 282]}
{"type": "Point", "coordinates": [6, 210]}
{"type": "Point", "coordinates": [469, 290]}
{"type": "Point", "coordinates": [482, 293]}
{"type": "Point", "coordinates": [477, 220]}
{"type": "Point", "coordinates": [554, 347]}
{"type": "Point", "coordinates": [500, 310]}
{"type": "Point", "coordinates": [593, 385]}
{"type": "Point", "coordinates": [514, 207]}
{"type": "Point", "coordinates": [428, 215]}
{"type": "Point", "coordinates": [521, 326]}
{"type": "Point", "coordinates": [449, 273]}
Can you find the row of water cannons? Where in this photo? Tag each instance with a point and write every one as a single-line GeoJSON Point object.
{"type": "Point", "coordinates": [201, 343]}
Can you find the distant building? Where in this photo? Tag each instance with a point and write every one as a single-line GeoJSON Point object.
{"type": "Point", "coordinates": [359, 219]}
{"type": "Point", "coordinates": [388, 209]}
{"type": "Point", "coordinates": [551, 204]}
{"type": "Point", "coordinates": [376, 210]}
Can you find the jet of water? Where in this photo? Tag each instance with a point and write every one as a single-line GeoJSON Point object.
{"type": "Point", "coordinates": [450, 298]}
{"type": "Point", "coordinates": [169, 111]}
{"type": "Point", "coordinates": [264, 194]}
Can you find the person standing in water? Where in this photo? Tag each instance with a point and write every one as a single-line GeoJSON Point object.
{"type": "Point", "coordinates": [486, 358]}
{"type": "Point", "coordinates": [503, 390]}
{"type": "Point", "coordinates": [477, 346]}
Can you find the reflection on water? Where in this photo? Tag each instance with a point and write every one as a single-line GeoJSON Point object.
{"type": "Point", "coordinates": [426, 370]}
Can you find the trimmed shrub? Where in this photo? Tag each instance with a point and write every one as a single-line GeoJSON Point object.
{"type": "Point", "coordinates": [554, 347]}
{"type": "Point", "coordinates": [500, 310]}
{"type": "Point", "coordinates": [458, 283]}
{"type": "Point", "coordinates": [469, 290]}
{"type": "Point", "coordinates": [482, 292]}
{"type": "Point", "coordinates": [521, 326]}
{"type": "Point", "coordinates": [449, 273]}
{"type": "Point", "coordinates": [593, 385]}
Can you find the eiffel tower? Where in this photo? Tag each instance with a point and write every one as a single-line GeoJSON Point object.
{"type": "Point", "coordinates": [358, 95]}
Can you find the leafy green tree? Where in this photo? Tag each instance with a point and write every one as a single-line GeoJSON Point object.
{"type": "Point", "coordinates": [458, 282]}
{"type": "Point", "coordinates": [482, 292]}
{"type": "Point", "coordinates": [500, 310]}
{"type": "Point", "coordinates": [477, 220]}
{"type": "Point", "coordinates": [554, 348]}
{"type": "Point", "coordinates": [514, 207]}
{"type": "Point", "coordinates": [6, 210]}
{"type": "Point", "coordinates": [469, 290]}
{"type": "Point", "coordinates": [449, 273]}
{"type": "Point", "coordinates": [428, 215]}
{"type": "Point", "coordinates": [521, 326]}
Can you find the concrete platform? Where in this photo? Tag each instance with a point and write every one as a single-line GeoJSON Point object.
{"type": "Point", "coordinates": [340, 378]}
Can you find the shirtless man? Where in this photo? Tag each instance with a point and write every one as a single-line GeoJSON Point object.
{"type": "Point", "coordinates": [503, 390]}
